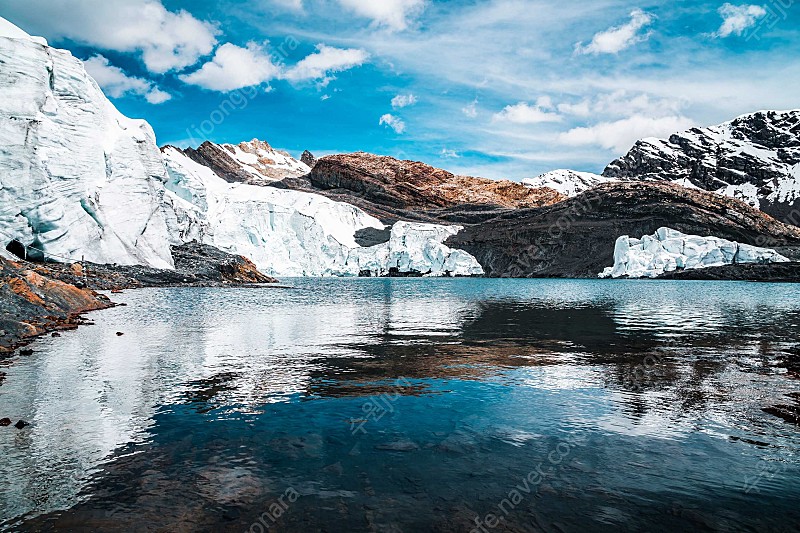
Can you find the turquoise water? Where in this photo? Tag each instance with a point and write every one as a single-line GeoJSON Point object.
{"type": "Point", "coordinates": [413, 405]}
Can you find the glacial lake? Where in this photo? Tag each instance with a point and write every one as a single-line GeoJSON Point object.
{"type": "Point", "coordinates": [405, 405]}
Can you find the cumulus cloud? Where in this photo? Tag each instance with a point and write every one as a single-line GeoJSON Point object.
{"type": "Point", "coordinates": [391, 121]}
{"type": "Point", "coordinates": [326, 61]}
{"type": "Point", "coordinates": [403, 100]}
{"type": "Point", "coordinates": [620, 135]}
{"type": "Point", "coordinates": [391, 14]}
{"type": "Point", "coordinates": [737, 19]}
{"type": "Point", "coordinates": [234, 67]}
{"type": "Point", "coordinates": [616, 39]}
{"type": "Point", "coordinates": [523, 113]}
{"type": "Point", "coordinates": [167, 40]}
{"type": "Point", "coordinates": [116, 84]}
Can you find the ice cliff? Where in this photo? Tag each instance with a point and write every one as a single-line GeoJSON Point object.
{"type": "Point", "coordinates": [670, 250]}
{"type": "Point", "coordinates": [77, 178]}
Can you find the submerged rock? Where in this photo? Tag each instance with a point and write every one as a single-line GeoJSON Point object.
{"type": "Point", "coordinates": [21, 424]}
{"type": "Point", "coordinates": [398, 446]}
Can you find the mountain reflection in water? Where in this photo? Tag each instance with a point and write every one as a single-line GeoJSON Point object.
{"type": "Point", "coordinates": [675, 402]}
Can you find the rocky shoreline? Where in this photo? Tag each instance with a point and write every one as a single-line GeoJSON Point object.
{"type": "Point", "coordinates": [41, 298]}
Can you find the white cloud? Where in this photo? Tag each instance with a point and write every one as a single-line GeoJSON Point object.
{"type": "Point", "coordinates": [471, 109]}
{"type": "Point", "coordinates": [449, 154]}
{"type": "Point", "coordinates": [396, 123]}
{"type": "Point", "coordinates": [166, 40]}
{"type": "Point", "coordinates": [234, 67]}
{"type": "Point", "coordinates": [327, 60]}
{"type": "Point", "coordinates": [116, 84]}
{"type": "Point", "coordinates": [622, 134]}
{"type": "Point", "coordinates": [403, 100]}
{"type": "Point", "coordinates": [391, 14]}
{"type": "Point", "coordinates": [616, 39]}
{"type": "Point", "coordinates": [737, 19]}
{"type": "Point", "coordinates": [523, 113]}
{"type": "Point", "coordinates": [157, 96]}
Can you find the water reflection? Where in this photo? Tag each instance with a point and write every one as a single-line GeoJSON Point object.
{"type": "Point", "coordinates": [215, 401]}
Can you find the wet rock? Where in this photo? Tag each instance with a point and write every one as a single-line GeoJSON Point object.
{"type": "Point", "coordinates": [120, 334]}
{"type": "Point", "coordinates": [56, 334]}
{"type": "Point", "coordinates": [26, 352]}
{"type": "Point", "coordinates": [21, 424]}
{"type": "Point", "coordinates": [4, 422]}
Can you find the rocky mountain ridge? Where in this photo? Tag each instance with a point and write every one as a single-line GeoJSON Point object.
{"type": "Point", "coordinates": [254, 162]}
{"type": "Point", "coordinates": [392, 189]}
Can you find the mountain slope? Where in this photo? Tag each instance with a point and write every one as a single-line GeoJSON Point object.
{"type": "Point", "coordinates": [77, 178]}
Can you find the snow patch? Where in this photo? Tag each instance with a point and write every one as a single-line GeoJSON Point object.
{"type": "Point", "coordinates": [567, 182]}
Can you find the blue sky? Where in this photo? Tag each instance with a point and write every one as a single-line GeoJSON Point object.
{"type": "Point", "coordinates": [496, 88]}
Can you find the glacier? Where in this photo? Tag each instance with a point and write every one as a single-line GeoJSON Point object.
{"type": "Point", "coordinates": [77, 178]}
{"type": "Point", "coordinates": [669, 250]}
{"type": "Point", "coordinates": [291, 233]}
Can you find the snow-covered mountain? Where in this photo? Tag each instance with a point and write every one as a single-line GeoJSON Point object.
{"type": "Point", "coordinates": [567, 182]}
{"type": "Point", "coordinates": [77, 178]}
{"type": "Point", "coordinates": [755, 158]}
{"type": "Point", "coordinates": [254, 162]}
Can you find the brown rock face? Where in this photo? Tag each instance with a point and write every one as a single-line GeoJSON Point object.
{"type": "Point", "coordinates": [576, 238]}
{"type": "Point", "coordinates": [32, 303]}
{"type": "Point", "coordinates": [391, 189]}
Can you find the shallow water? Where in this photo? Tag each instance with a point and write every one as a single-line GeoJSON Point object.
{"type": "Point", "coordinates": [413, 405]}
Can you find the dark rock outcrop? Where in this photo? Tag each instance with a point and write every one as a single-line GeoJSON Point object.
{"type": "Point", "coordinates": [195, 265]}
{"type": "Point", "coordinates": [774, 272]}
{"type": "Point", "coordinates": [308, 158]}
{"type": "Point", "coordinates": [576, 238]}
{"type": "Point", "coordinates": [756, 154]}
{"type": "Point", "coordinates": [391, 190]}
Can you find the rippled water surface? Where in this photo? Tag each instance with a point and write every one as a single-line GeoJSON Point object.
{"type": "Point", "coordinates": [413, 405]}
